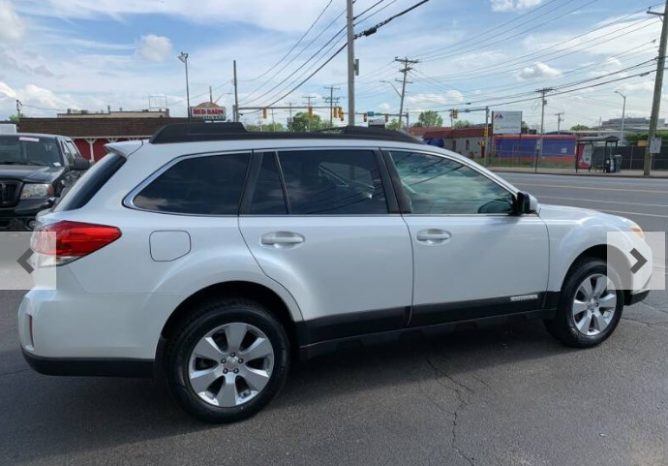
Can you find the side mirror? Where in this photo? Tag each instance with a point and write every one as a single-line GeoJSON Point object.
{"type": "Point", "coordinates": [525, 203]}
{"type": "Point", "coordinates": [80, 164]}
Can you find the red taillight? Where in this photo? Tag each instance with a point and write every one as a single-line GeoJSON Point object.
{"type": "Point", "coordinates": [70, 240]}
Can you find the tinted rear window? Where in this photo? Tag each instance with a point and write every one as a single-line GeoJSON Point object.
{"type": "Point", "coordinates": [90, 183]}
{"type": "Point", "coordinates": [333, 182]}
{"type": "Point", "coordinates": [209, 185]}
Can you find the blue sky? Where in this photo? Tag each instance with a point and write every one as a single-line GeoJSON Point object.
{"type": "Point", "coordinates": [59, 54]}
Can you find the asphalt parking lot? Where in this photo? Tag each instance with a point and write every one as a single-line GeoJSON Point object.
{"type": "Point", "coordinates": [505, 395]}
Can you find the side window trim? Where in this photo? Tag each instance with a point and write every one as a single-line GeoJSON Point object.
{"type": "Point", "coordinates": [406, 206]}
{"type": "Point", "coordinates": [403, 201]}
{"type": "Point", "coordinates": [128, 200]}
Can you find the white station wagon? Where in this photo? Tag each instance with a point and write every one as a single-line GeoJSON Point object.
{"type": "Point", "coordinates": [214, 256]}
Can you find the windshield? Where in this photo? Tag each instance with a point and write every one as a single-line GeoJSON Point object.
{"type": "Point", "coordinates": [29, 150]}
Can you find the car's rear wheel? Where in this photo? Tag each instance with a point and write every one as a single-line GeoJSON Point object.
{"type": "Point", "coordinates": [228, 361]}
{"type": "Point", "coordinates": [590, 306]}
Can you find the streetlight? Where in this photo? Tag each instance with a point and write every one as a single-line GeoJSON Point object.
{"type": "Point", "coordinates": [623, 115]}
{"type": "Point", "coordinates": [184, 59]}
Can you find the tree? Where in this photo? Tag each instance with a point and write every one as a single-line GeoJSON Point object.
{"type": "Point", "coordinates": [13, 118]}
{"type": "Point", "coordinates": [393, 125]}
{"type": "Point", "coordinates": [302, 123]}
{"type": "Point", "coordinates": [462, 124]}
{"type": "Point", "coordinates": [580, 127]}
{"type": "Point", "coordinates": [271, 127]}
{"type": "Point", "coordinates": [429, 119]}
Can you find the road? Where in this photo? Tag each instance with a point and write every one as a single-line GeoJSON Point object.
{"type": "Point", "coordinates": [506, 395]}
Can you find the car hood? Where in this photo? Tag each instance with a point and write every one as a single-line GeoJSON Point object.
{"type": "Point", "coordinates": [30, 173]}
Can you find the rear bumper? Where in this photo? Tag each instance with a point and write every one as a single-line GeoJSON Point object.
{"type": "Point", "coordinates": [90, 367]}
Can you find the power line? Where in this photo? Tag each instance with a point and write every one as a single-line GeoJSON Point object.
{"type": "Point", "coordinates": [289, 62]}
{"type": "Point", "coordinates": [301, 39]}
{"type": "Point", "coordinates": [489, 31]}
{"type": "Point", "coordinates": [365, 33]}
{"type": "Point", "coordinates": [475, 45]}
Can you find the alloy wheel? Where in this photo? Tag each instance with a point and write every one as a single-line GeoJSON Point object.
{"type": "Point", "coordinates": [594, 304]}
{"type": "Point", "coordinates": [231, 364]}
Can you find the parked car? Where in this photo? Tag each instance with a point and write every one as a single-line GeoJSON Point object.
{"type": "Point", "coordinates": [34, 171]}
{"type": "Point", "coordinates": [214, 256]}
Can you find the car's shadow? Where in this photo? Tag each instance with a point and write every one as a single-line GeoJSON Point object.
{"type": "Point", "coordinates": [43, 417]}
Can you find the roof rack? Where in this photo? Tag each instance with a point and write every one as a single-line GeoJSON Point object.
{"type": "Point", "coordinates": [194, 132]}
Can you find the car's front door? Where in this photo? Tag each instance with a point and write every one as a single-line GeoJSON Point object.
{"type": "Point", "coordinates": [472, 256]}
{"type": "Point", "coordinates": [317, 221]}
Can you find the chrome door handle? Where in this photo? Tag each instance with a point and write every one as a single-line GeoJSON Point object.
{"type": "Point", "coordinates": [282, 239]}
{"type": "Point", "coordinates": [433, 236]}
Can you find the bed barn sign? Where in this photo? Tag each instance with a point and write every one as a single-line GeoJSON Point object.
{"type": "Point", "coordinates": [208, 111]}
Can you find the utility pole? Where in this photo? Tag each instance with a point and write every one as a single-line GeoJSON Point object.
{"type": "Point", "coordinates": [487, 136]}
{"type": "Point", "coordinates": [331, 101]}
{"type": "Point", "coordinates": [406, 62]}
{"type": "Point", "coordinates": [309, 98]}
{"type": "Point", "coordinates": [621, 133]}
{"type": "Point", "coordinates": [236, 94]}
{"type": "Point", "coordinates": [559, 120]}
{"type": "Point", "coordinates": [658, 87]}
{"type": "Point", "coordinates": [351, 63]}
{"type": "Point", "coordinates": [543, 102]}
{"type": "Point", "coordinates": [18, 108]}
{"type": "Point", "coordinates": [210, 95]}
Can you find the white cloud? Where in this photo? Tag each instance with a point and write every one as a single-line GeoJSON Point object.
{"type": "Point", "coordinates": [284, 15]}
{"type": "Point", "coordinates": [425, 101]}
{"type": "Point", "coordinates": [154, 48]}
{"type": "Point", "coordinates": [538, 70]}
{"type": "Point", "coordinates": [12, 27]}
{"type": "Point", "coordinates": [513, 5]}
{"type": "Point", "coordinates": [37, 100]}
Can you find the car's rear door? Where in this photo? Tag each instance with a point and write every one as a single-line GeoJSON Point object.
{"type": "Point", "coordinates": [324, 223]}
{"type": "Point", "coordinates": [473, 257]}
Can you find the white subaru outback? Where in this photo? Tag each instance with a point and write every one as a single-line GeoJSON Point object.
{"type": "Point", "coordinates": [214, 256]}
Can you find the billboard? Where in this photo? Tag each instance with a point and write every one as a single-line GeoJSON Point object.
{"type": "Point", "coordinates": [507, 122]}
{"type": "Point", "coordinates": [208, 111]}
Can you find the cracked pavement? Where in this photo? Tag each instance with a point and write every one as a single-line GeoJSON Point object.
{"type": "Point", "coordinates": [501, 395]}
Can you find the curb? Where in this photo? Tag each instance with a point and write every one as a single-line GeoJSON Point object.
{"type": "Point", "coordinates": [596, 175]}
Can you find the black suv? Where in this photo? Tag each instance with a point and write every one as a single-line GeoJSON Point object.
{"type": "Point", "coordinates": [35, 169]}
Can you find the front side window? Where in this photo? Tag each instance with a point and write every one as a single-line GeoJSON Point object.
{"type": "Point", "coordinates": [441, 186]}
{"type": "Point", "coordinates": [209, 185]}
{"type": "Point", "coordinates": [333, 182]}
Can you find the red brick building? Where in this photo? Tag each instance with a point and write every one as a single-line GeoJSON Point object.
{"type": "Point", "coordinates": [91, 134]}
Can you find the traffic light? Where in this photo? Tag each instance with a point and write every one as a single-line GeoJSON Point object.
{"type": "Point", "coordinates": [387, 117]}
{"type": "Point", "coordinates": [342, 115]}
{"type": "Point", "coordinates": [310, 111]}
{"type": "Point", "coordinates": [365, 117]}
{"type": "Point", "coordinates": [455, 114]}
{"type": "Point", "coordinates": [264, 113]}
{"type": "Point", "coordinates": [340, 112]}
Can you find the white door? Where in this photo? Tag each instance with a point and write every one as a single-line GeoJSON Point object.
{"type": "Point", "coordinates": [320, 227]}
{"type": "Point", "coordinates": [472, 256]}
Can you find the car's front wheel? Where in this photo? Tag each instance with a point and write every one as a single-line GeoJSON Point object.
{"type": "Point", "coordinates": [590, 305]}
{"type": "Point", "coordinates": [229, 360]}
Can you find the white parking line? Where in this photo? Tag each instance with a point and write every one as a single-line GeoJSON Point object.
{"type": "Point", "coordinates": [602, 202]}
{"type": "Point", "coordinates": [654, 191]}
{"type": "Point", "coordinates": [633, 213]}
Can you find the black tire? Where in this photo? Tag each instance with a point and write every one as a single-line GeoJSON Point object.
{"type": "Point", "coordinates": [563, 327]}
{"type": "Point", "coordinates": [204, 319]}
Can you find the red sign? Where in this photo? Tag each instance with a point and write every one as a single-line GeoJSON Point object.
{"type": "Point", "coordinates": [209, 113]}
